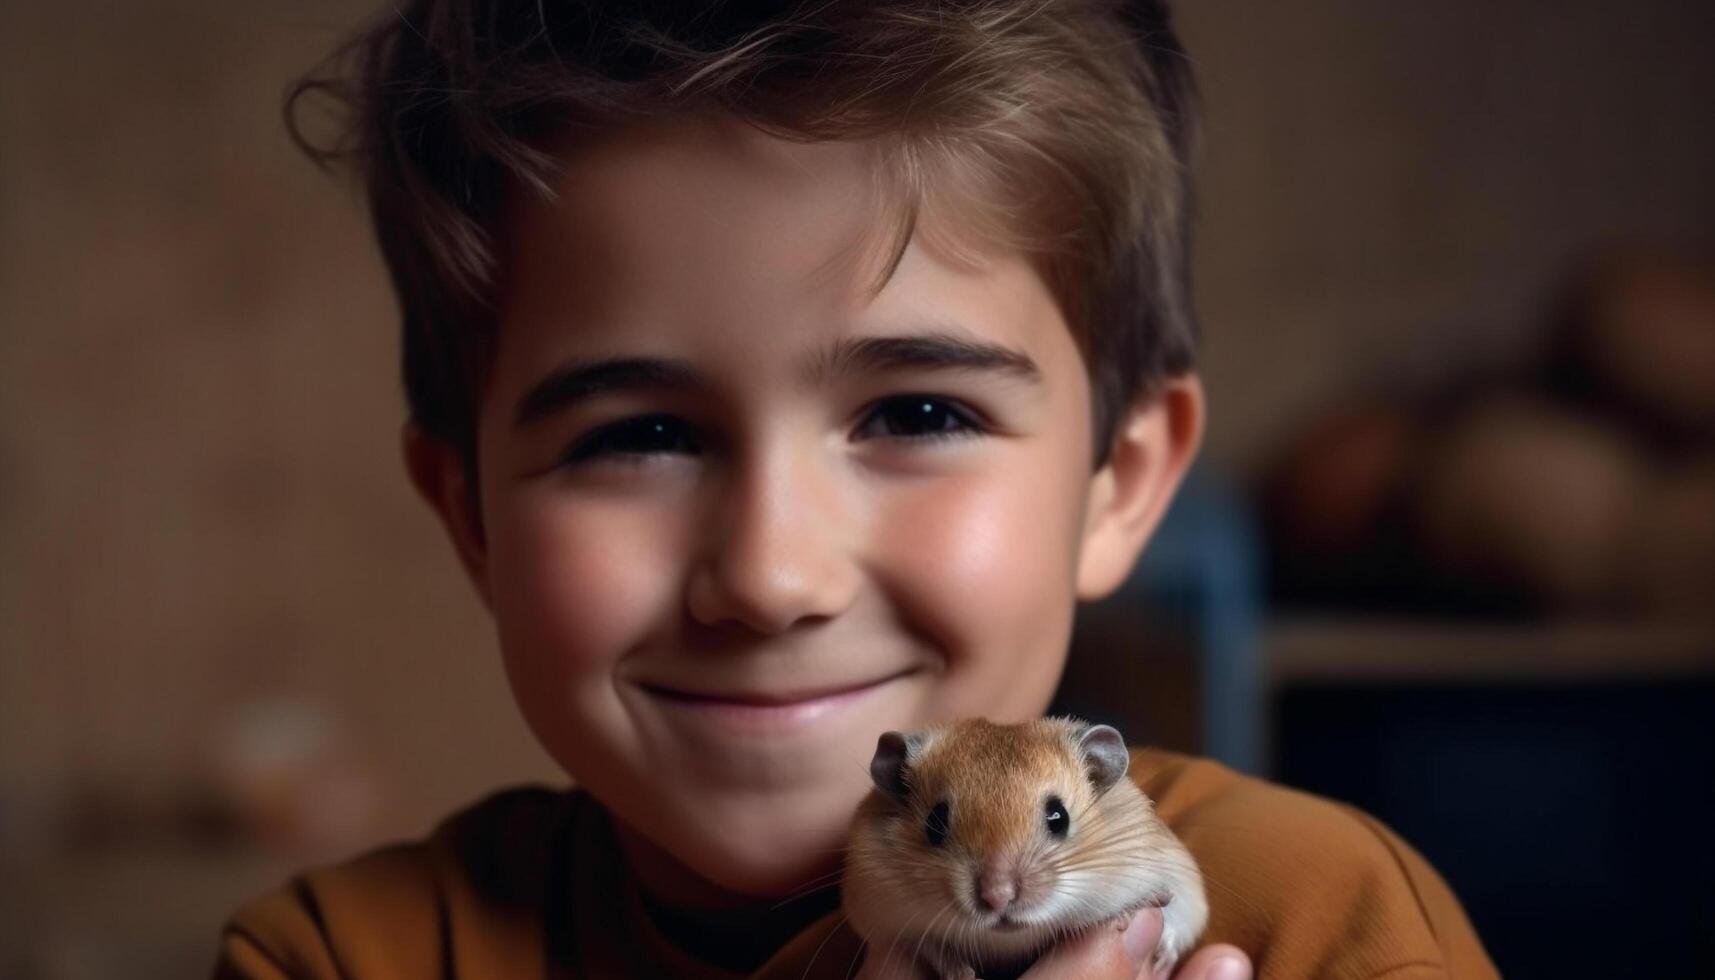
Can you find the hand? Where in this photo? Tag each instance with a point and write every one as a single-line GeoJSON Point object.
{"type": "Point", "coordinates": [1105, 952]}
{"type": "Point", "coordinates": [1127, 955]}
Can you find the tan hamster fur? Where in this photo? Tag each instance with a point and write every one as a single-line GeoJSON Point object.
{"type": "Point", "coordinates": [984, 844]}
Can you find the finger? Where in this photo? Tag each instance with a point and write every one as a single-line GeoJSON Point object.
{"type": "Point", "coordinates": [1105, 952]}
{"type": "Point", "coordinates": [1217, 962]}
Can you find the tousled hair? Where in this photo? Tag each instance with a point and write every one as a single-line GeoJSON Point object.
{"type": "Point", "coordinates": [1071, 122]}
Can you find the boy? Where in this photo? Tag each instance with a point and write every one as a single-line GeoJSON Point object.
{"type": "Point", "coordinates": [784, 374]}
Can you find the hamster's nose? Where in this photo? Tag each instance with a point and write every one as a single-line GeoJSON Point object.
{"type": "Point", "coordinates": [996, 888]}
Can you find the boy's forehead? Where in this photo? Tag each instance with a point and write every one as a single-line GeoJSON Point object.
{"type": "Point", "coordinates": [706, 197]}
{"type": "Point", "coordinates": [756, 240]}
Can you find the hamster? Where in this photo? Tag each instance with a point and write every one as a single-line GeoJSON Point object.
{"type": "Point", "coordinates": [981, 845]}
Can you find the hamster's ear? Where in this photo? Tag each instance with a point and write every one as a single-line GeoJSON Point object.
{"type": "Point", "coordinates": [1105, 756]}
{"type": "Point", "coordinates": [439, 474]}
{"type": "Point", "coordinates": [891, 767]}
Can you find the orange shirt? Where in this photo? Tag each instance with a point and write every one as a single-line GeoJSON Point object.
{"type": "Point", "coordinates": [1308, 887]}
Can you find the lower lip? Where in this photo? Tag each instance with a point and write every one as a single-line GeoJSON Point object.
{"type": "Point", "coordinates": [765, 719]}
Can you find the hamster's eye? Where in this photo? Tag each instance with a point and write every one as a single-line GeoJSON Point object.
{"type": "Point", "coordinates": [1054, 812]}
{"type": "Point", "coordinates": [935, 827]}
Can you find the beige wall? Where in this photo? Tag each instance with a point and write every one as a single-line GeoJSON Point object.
{"type": "Point", "coordinates": [200, 494]}
{"type": "Point", "coordinates": [1392, 186]}
{"type": "Point", "coordinates": [201, 488]}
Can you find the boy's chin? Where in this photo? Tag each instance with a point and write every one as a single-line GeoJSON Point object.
{"type": "Point", "coordinates": [758, 849]}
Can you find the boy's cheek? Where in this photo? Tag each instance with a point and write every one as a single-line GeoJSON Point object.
{"type": "Point", "coordinates": [986, 569]}
{"type": "Point", "coordinates": [577, 589]}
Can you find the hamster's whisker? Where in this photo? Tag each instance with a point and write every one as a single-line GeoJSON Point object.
{"type": "Point", "coordinates": [1125, 831]}
{"type": "Point", "coordinates": [950, 910]}
{"type": "Point", "coordinates": [1083, 861]}
{"type": "Point", "coordinates": [1089, 907]}
{"type": "Point", "coordinates": [1111, 856]}
{"type": "Point", "coordinates": [1129, 869]}
{"type": "Point", "coordinates": [941, 951]}
{"type": "Point", "coordinates": [1102, 831]}
{"type": "Point", "coordinates": [809, 888]}
{"type": "Point", "coordinates": [904, 932]}
{"type": "Point", "coordinates": [860, 953]}
{"type": "Point", "coordinates": [967, 946]}
{"type": "Point", "coordinates": [1158, 864]}
{"type": "Point", "coordinates": [823, 945]}
{"type": "Point", "coordinates": [1079, 814]}
{"type": "Point", "coordinates": [901, 934]}
{"type": "Point", "coordinates": [1128, 854]}
{"type": "Point", "coordinates": [930, 930]}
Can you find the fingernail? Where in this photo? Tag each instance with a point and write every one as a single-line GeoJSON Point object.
{"type": "Point", "coordinates": [1228, 968]}
{"type": "Point", "coordinates": [1138, 938]}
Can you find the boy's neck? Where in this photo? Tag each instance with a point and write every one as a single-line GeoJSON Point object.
{"type": "Point", "coordinates": [726, 929]}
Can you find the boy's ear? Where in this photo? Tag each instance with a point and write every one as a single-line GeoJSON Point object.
{"type": "Point", "coordinates": [1154, 444]}
{"type": "Point", "coordinates": [438, 473]}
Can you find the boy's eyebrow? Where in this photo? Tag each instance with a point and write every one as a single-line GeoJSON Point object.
{"type": "Point", "coordinates": [934, 350]}
{"type": "Point", "coordinates": [577, 380]}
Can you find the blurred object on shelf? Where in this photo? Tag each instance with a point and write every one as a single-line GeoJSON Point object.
{"type": "Point", "coordinates": [1669, 557]}
{"type": "Point", "coordinates": [149, 909]}
{"type": "Point", "coordinates": [1636, 340]}
{"type": "Point", "coordinates": [1344, 473]}
{"type": "Point", "coordinates": [1468, 654]}
{"type": "Point", "coordinates": [280, 776]}
{"type": "Point", "coordinates": [1578, 481]}
{"type": "Point", "coordinates": [1524, 493]}
{"type": "Point", "coordinates": [131, 875]}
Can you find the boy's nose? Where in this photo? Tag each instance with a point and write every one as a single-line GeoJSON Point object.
{"type": "Point", "coordinates": [774, 553]}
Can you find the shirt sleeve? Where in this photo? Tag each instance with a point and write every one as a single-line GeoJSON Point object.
{"type": "Point", "coordinates": [242, 959]}
{"type": "Point", "coordinates": [376, 917]}
{"type": "Point", "coordinates": [466, 901]}
{"type": "Point", "coordinates": [1460, 952]}
{"type": "Point", "coordinates": [275, 937]}
{"type": "Point", "coordinates": [1309, 887]}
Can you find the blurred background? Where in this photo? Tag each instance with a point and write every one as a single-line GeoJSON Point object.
{"type": "Point", "coordinates": [1450, 554]}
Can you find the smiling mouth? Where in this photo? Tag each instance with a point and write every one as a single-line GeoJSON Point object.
{"type": "Point", "coordinates": [755, 713]}
{"type": "Point", "coordinates": [771, 699]}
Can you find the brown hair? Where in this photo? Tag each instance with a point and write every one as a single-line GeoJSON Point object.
{"type": "Point", "coordinates": [1078, 113]}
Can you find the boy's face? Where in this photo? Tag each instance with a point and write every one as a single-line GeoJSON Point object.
{"type": "Point", "coordinates": [740, 512]}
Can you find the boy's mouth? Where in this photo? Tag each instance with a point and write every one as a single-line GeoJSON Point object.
{"type": "Point", "coordinates": [750, 710]}
{"type": "Point", "coordinates": [769, 699]}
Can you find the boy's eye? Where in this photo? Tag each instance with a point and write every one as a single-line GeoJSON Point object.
{"type": "Point", "coordinates": [898, 417]}
{"type": "Point", "coordinates": [645, 435]}
{"type": "Point", "coordinates": [918, 417]}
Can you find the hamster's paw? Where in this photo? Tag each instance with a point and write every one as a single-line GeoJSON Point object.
{"type": "Point", "coordinates": [1166, 956]}
{"type": "Point", "coordinates": [1182, 921]}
